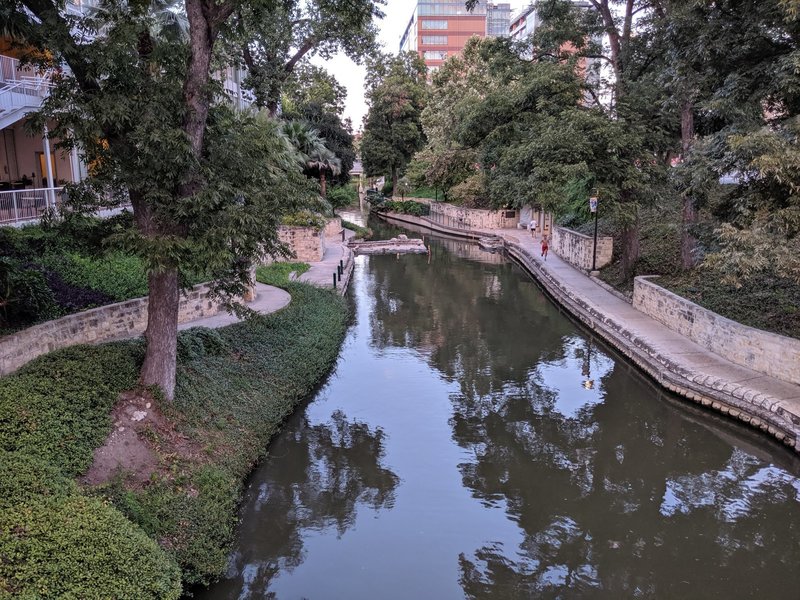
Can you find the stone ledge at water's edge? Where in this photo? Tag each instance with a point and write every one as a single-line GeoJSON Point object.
{"type": "Point", "coordinates": [674, 361]}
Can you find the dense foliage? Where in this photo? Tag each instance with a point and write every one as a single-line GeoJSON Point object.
{"type": "Point", "coordinates": [407, 207]}
{"type": "Point", "coordinates": [55, 540]}
{"type": "Point", "coordinates": [235, 387]}
{"type": "Point", "coordinates": [392, 128]}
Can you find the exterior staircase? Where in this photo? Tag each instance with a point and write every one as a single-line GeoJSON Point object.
{"type": "Point", "coordinates": [20, 93]}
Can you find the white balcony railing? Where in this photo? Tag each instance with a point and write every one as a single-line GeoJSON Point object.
{"type": "Point", "coordinates": [18, 206]}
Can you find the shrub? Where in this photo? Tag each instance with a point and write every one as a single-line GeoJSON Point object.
{"type": "Point", "coordinates": [278, 273]}
{"type": "Point", "coordinates": [416, 209]}
{"type": "Point", "coordinates": [57, 407]}
{"type": "Point", "coordinates": [116, 274]}
{"type": "Point", "coordinates": [387, 189]}
{"type": "Point", "coordinates": [24, 295]}
{"type": "Point", "coordinates": [74, 546]}
{"type": "Point", "coordinates": [198, 342]}
{"type": "Point", "coordinates": [305, 218]}
{"type": "Point", "coordinates": [341, 196]}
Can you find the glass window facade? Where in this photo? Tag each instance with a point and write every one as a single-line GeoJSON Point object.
{"type": "Point", "coordinates": [435, 55]}
{"type": "Point", "coordinates": [434, 40]}
{"type": "Point", "coordinates": [431, 24]}
{"type": "Point", "coordinates": [449, 7]}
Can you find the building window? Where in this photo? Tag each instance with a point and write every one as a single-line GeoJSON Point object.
{"type": "Point", "coordinates": [434, 24]}
{"type": "Point", "coordinates": [449, 7]}
{"type": "Point", "coordinates": [435, 55]}
{"type": "Point", "coordinates": [434, 40]}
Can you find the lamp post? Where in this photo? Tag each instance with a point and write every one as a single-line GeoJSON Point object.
{"type": "Point", "coordinates": [593, 208]}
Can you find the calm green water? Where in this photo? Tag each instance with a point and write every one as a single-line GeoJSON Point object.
{"type": "Point", "coordinates": [474, 442]}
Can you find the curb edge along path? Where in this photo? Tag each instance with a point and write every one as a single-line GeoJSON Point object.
{"type": "Point", "coordinates": [673, 361]}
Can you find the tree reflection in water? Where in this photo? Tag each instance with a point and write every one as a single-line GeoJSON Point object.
{"type": "Point", "coordinates": [315, 479]}
{"type": "Point", "coordinates": [621, 493]}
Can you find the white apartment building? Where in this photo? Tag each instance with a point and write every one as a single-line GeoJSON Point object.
{"type": "Point", "coordinates": [32, 172]}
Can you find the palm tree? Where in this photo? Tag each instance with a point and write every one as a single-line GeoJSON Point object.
{"type": "Point", "coordinates": [317, 158]}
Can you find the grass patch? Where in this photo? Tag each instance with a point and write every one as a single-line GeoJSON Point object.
{"type": "Point", "coordinates": [278, 273]}
{"type": "Point", "coordinates": [235, 388]}
{"type": "Point", "coordinates": [424, 192]}
{"type": "Point", "coordinates": [362, 233]}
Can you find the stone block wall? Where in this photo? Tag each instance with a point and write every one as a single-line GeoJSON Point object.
{"type": "Point", "coordinates": [473, 218]}
{"type": "Point", "coordinates": [334, 227]}
{"type": "Point", "coordinates": [307, 243]}
{"type": "Point", "coordinates": [577, 249]}
{"type": "Point", "coordinates": [115, 321]}
{"type": "Point", "coordinates": [768, 353]}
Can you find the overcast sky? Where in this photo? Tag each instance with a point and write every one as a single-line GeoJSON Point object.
{"type": "Point", "coordinates": [351, 75]}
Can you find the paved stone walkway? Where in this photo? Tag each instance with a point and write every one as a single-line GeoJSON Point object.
{"type": "Point", "coordinates": [673, 360]}
{"type": "Point", "coordinates": [321, 273]}
{"type": "Point", "coordinates": [268, 300]}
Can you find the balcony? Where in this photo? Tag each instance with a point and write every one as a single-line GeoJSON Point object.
{"type": "Point", "coordinates": [21, 90]}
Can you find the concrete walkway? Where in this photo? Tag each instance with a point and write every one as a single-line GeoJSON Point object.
{"type": "Point", "coordinates": [268, 300]}
{"type": "Point", "coordinates": [674, 361]}
{"type": "Point", "coordinates": [321, 273]}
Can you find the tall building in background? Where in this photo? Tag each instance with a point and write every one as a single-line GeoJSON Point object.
{"type": "Point", "coordinates": [498, 19]}
{"type": "Point", "coordinates": [524, 23]}
{"type": "Point", "coordinates": [439, 29]}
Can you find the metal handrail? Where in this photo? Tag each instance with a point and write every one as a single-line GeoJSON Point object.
{"type": "Point", "coordinates": [17, 206]}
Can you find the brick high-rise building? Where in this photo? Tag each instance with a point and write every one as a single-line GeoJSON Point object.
{"type": "Point", "coordinates": [439, 29]}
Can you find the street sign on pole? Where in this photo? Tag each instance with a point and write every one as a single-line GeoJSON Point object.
{"type": "Point", "coordinates": [593, 204]}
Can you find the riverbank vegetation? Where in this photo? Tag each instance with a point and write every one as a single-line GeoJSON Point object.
{"type": "Point", "coordinates": [140, 532]}
{"type": "Point", "coordinates": [681, 118]}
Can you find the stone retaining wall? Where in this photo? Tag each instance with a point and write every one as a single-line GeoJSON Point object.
{"type": "Point", "coordinates": [473, 218]}
{"type": "Point", "coordinates": [115, 321]}
{"type": "Point", "coordinates": [768, 353]}
{"type": "Point", "coordinates": [306, 243]}
{"type": "Point", "coordinates": [334, 227]}
{"type": "Point", "coordinates": [577, 249]}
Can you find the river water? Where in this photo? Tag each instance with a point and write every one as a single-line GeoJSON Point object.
{"type": "Point", "coordinates": [474, 442]}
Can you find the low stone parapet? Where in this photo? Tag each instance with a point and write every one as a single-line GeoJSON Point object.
{"type": "Point", "coordinates": [114, 321]}
{"type": "Point", "coordinates": [473, 218]}
{"type": "Point", "coordinates": [578, 249]}
{"type": "Point", "coordinates": [334, 227]}
{"type": "Point", "coordinates": [762, 351]}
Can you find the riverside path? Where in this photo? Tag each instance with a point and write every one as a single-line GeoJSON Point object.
{"type": "Point", "coordinates": [673, 360]}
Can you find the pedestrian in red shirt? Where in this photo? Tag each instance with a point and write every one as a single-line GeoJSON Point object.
{"type": "Point", "coordinates": [545, 247]}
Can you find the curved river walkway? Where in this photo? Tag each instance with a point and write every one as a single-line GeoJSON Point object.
{"type": "Point", "coordinates": [677, 363]}
{"type": "Point", "coordinates": [475, 442]}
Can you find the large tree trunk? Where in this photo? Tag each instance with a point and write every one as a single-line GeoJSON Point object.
{"type": "Point", "coordinates": [160, 362]}
{"type": "Point", "coordinates": [689, 213]}
{"type": "Point", "coordinates": [394, 180]}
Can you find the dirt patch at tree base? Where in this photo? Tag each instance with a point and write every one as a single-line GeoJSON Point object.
{"type": "Point", "coordinates": [141, 437]}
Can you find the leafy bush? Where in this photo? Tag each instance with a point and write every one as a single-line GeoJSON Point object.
{"type": "Point", "coordinates": [116, 274]}
{"type": "Point", "coordinates": [57, 546]}
{"type": "Point", "coordinates": [362, 233]}
{"type": "Point", "coordinates": [388, 189]}
{"type": "Point", "coordinates": [416, 209]}
{"type": "Point", "coordinates": [278, 273]}
{"type": "Point", "coordinates": [305, 218]}
{"type": "Point", "coordinates": [198, 342]}
{"type": "Point", "coordinates": [57, 407]}
{"type": "Point", "coordinates": [341, 196]}
{"type": "Point", "coordinates": [24, 295]}
{"type": "Point", "coordinates": [54, 541]}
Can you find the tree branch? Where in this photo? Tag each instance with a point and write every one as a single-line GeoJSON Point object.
{"type": "Point", "coordinates": [308, 44]}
